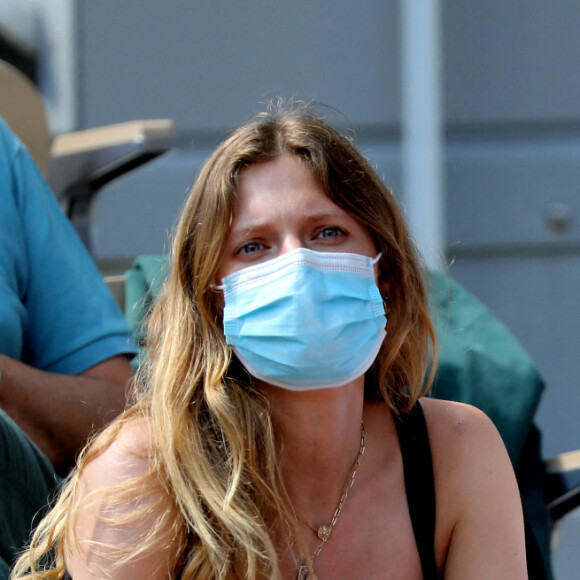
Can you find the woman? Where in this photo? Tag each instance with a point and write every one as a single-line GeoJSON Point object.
{"type": "Point", "coordinates": [280, 434]}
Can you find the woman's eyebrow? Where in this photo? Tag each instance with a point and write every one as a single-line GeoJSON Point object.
{"type": "Point", "coordinates": [250, 225]}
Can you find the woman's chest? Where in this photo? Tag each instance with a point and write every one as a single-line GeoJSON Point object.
{"type": "Point", "coordinates": [373, 539]}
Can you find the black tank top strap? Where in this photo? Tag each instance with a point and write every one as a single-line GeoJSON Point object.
{"type": "Point", "coordinates": [419, 484]}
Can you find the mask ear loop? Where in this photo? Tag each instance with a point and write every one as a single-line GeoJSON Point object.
{"type": "Point", "coordinates": [373, 262]}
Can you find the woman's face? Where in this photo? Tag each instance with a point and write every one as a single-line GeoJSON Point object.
{"type": "Point", "coordinates": [281, 208]}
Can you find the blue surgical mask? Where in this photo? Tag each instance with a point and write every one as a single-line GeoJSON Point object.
{"type": "Point", "coordinates": [305, 320]}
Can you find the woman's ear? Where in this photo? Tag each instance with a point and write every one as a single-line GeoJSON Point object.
{"type": "Point", "coordinates": [384, 289]}
{"type": "Point", "coordinates": [383, 284]}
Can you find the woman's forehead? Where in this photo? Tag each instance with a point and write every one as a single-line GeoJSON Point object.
{"type": "Point", "coordinates": [284, 186]}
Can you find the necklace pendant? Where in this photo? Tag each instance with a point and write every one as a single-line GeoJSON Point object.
{"type": "Point", "coordinates": [303, 573]}
{"type": "Point", "coordinates": [324, 532]}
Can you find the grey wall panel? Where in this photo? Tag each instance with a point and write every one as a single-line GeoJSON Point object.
{"type": "Point", "coordinates": [207, 64]}
{"type": "Point", "coordinates": [512, 61]}
{"type": "Point", "coordinates": [504, 191]}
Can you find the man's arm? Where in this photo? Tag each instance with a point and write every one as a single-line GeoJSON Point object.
{"type": "Point", "coordinates": [58, 412]}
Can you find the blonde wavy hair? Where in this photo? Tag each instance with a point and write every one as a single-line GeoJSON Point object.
{"type": "Point", "coordinates": [214, 441]}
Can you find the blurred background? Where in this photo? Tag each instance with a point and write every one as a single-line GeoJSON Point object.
{"type": "Point", "coordinates": [469, 110]}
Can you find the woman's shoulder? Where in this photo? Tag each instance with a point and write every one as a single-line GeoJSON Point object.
{"type": "Point", "coordinates": [467, 450]}
{"type": "Point", "coordinates": [454, 425]}
{"type": "Point", "coordinates": [465, 447]}
{"type": "Point", "coordinates": [479, 521]}
{"type": "Point", "coordinates": [135, 437]}
{"type": "Point", "coordinates": [121, 501]}
{"type": "Point", "coordinates": [124, 451]}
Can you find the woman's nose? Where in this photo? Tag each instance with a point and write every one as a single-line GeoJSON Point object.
{"type": "Point", "coordinates": [289, 243]}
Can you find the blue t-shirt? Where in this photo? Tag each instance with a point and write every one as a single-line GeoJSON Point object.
{"type": "Point", "coordinates": [56, 313]}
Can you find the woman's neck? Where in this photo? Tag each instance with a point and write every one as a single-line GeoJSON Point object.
{"type": "Point", "coordinates": [320, 437]}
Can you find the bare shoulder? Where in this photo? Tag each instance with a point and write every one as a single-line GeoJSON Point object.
{"type": "Point", "coordinates": [135, 437]}
{"type": "Point", "coordinates": [466, 447]}
{"type": "Point", "coordinates": [479, 531]}
{"type": "Point", "coordinates": [457, 429]}
{"type": "Point", "coordinates": [121, 501]}
{"type": "Point", "coordinates": [452, 418]}
{"type": "Point", "coordinates": [128, 455]}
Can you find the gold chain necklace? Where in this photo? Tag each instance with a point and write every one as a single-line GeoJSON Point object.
{"type": "Point", "coordinates": [324, 531]}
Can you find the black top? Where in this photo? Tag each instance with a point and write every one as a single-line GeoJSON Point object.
{"type": "Point", "coordinates": [419, 484]}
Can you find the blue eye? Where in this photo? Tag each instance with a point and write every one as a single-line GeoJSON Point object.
{"type": "Point", "coordinates": [331, 232]}
{"type": "Point", "coordinates": [250, 247]}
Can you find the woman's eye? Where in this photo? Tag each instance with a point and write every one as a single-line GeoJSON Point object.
{"type": "Point", "coordinates": [250, 248]}
{"type": "Point", "coordinates": [331, 232]}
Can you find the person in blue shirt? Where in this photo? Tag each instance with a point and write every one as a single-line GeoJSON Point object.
{"type": "Point", "coordinates": [64, 346]}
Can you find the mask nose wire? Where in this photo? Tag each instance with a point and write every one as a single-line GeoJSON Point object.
{"type": "Point", "coordinates": [223, 286]}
